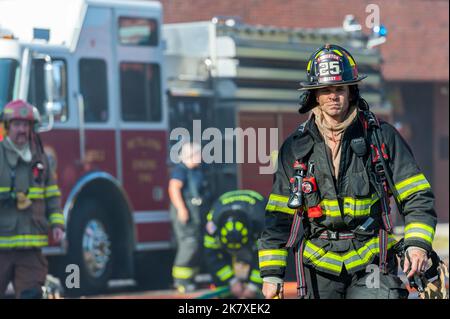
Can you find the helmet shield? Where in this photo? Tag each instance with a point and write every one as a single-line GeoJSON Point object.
{"type": "Point", "coordinates": [19, 110]}
{"type": "Point", "coordinates": [331, 65]}
{"type": "Point", "coordinates": [234, 233]}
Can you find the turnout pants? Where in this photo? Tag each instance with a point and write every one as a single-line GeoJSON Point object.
{"type": "Point", "coordinates": [188, 237]}
{"type": "Point", "coordinates": [365, 284]}
{"type": "Point", "coordinates": [26, 269]}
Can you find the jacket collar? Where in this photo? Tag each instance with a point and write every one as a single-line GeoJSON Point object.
{"type": "Point", "coordinates": [309, 127]}
{"type": "Point", "coordinates": [13, 155]}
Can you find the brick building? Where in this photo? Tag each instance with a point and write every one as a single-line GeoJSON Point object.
{"type": "Point", "coordinates": [415, 61]}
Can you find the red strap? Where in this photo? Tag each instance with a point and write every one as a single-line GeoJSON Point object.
{"type": "Point", "coordinates": [294, 227]}
{"type": "Point", "coordinates": [300, 270]}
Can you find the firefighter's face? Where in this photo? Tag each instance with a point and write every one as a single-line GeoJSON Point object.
{"type": "Point", "coordinates": [333, 101]}
{"type": "Point", "coordinates": [19, 132]}
{"type": "Point", "coordinates": [194, 160]}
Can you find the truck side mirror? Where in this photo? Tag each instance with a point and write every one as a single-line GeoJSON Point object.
{"type": "Point", "coordinates": [54, 72]}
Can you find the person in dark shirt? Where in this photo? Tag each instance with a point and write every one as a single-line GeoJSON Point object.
{"type": "Point", "coordinates": [186, 196]}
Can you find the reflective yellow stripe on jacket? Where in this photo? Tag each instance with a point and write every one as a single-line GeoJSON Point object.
{"type": "Point", "coordinates": [225, 273]}
{"type": "Point", "coordinates": [23, 241]}
{"type": "Point", "coordinates": [272, 258]}
{"type": "Point", "coordinates": [56, 218]}
{"type": "Point", "coordinates": [332, 262]}
{"type": "Point", "coordinates": [52, 191]}
{"type": "Point", "coordinates": [419, 231]}
{"type": "Point", "coordinates": [355, 207]}
{"type": "Point", "coordinates": [255, 276]}
{"type": "Point", "coordinates": [36, 193]}
{"type": "Point", "coordinates": [411, 185]}
{"type": "Point", "coordinates": [4, 189]}
{"type": "Point", "coordinates": [279, 203]}
{"type": "Point", "coordinates": [182, 272]}
{"type": "Point", "coordinates": [211, 242]}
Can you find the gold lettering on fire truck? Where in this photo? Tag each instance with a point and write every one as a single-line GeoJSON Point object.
{"type": "Point", "coordinates": [95, 156]}
{"type": "Point", "coordinates": [144, 165]}
{"type": "Point", "coordinates": [144, 143]}
{"type": "Point", "coordinates": [145, 178]}
{"type": "Point", "coordinates": [143, 169]}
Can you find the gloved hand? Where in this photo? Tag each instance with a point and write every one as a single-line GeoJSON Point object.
{"type": "Point", "coordinates": [236, 287]}
{"type": "Point", "coordinates": [416, 259]}
{"type": "Point", "coordinates": [58, 234]}
{"type": "Point", "coordinates": [273, 290]}
{"type": "Point", "coordinates": [249, 291]}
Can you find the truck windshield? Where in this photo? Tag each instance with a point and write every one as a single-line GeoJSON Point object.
{"type": "Point", "coordinates": [8, 71]}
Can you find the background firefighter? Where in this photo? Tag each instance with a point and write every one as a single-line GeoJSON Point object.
{"type": "Point", "coordinates": [187, 192]}
{"type": "Point", "coordinates": [233, 225]}
{"type": "Point", "coordinates": [339, 213]}
{"type": "Point", "coordinates": [29, 203]}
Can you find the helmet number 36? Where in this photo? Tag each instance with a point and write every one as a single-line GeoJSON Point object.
{"type": "Point", "coordinates": [329, 68]}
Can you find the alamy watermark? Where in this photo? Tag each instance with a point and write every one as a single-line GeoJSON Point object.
{"type": "Point", "coordinates": [73, 277]}
{"type": "Point", "coordinates": [260, 145]}
{"type": "Point", "coordinates": [373, 279]}
{"type": "Point", "coordinates": [373, 17]}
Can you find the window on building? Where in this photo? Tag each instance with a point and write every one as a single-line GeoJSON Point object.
{"type": "Point", "coordinates": [140, 87]}
{"type": "Point", "coordinates": [138, 31]}
{"type": "Point", "coordinates": [36, 90]}
{"type": "Point", "coordinates": [94, 88]}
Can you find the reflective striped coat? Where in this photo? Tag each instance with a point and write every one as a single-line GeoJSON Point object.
{"type": "Point", "coordinates": [218, 258]}
{"type": "Point", "coordinates": [346, 202]}
{"type": "Point", "coordinates": [27, 228]}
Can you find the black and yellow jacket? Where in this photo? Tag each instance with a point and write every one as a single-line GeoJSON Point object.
{"type": "Point", "coordinates": [346, 202]}
{"type": "Point", "coordinates": [27, 228]}
{"type": "Point", "coordinates": [220, 261]}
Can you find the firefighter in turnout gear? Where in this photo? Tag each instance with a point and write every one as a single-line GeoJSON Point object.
{"type": "Point", "coordinates": [330, 197]}
{"type": "Point", "coordinates": [29, 203]}
{"type": "Point", "coordinates": [233, 225]}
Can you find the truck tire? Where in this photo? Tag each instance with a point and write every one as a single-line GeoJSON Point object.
{"type": "Point", "coordinates": [90, 247]}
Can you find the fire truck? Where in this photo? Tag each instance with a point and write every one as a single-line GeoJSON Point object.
{"type": "Point", "coordinates": [111, 81]}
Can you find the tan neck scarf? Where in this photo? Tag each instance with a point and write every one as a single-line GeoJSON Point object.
{"type": "Point", "coordinates": [14, 153]}
{"type": "Point", "coordinates": [332, 134]}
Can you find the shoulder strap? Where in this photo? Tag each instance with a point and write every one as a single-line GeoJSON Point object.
{"type": "Point", "coordinates": [375, 138]}
{"type": "Point", "coordinates": [303, 144]}
{"type": "Point", "coordinates": [302, 126]}
{"type": "Point", "coordinates": [40, 157]}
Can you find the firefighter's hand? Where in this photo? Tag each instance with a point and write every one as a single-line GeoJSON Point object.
{"type": "Point", "coordinates": [416, 259]}
{"type": "Point", "coordinates": [236, 288]}
{"type": "Point", "coordinates": [183, 215]}
{"type": "Point", "coordinates": [272, 290]}
{"type": "Point", "coordinates": [249, 291]}
{"type": "Point", "coordinates": [58, 234]}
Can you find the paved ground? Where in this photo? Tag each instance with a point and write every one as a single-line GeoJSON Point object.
{"type": "Point", "coordinates": [440, 244]}
{"type": "Point", "coordinates": [126, 290]}
{"type": "Point", "coordinates": [290, 293]}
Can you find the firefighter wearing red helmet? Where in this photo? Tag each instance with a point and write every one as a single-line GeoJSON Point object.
{"type": "Point", "coordinates": [29, 203]}
{"type": "Point", "coordinates": [330, 197]}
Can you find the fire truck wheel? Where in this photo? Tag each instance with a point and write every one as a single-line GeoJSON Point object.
{"type": "Point", "coordinates": [90, 246]}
